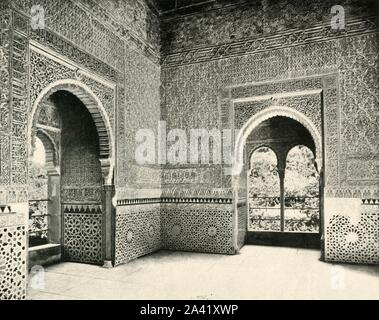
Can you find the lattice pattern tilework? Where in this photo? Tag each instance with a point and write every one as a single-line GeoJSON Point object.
{"type": "Point", "coordinates": [359, 65]}
{"type": "Point", "coordinates": [83, 237]}
{"type": "Point", "coordinates": [138, 231]}
{"type": "Point", "coordinates": [197, 227]}
{"type": "Point", "coordinates": [352, 241]}
{"type": "Point", "coordinates": [142, 111]}
{"type": "Point", "coordinates": [12, 262]}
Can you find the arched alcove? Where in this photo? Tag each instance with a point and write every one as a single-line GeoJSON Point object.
{"type": "Point", "coordinates": [80, 158]}
{"type": "Point", "coordinates": [51, 151]}
{"type": "Point", "coordinates": [95, 108]}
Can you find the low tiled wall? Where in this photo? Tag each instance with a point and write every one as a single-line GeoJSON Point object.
{"type": "Point", "coordinates": [352, 230]}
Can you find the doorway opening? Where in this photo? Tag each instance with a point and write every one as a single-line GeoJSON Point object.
{"type": "Point", "coordinates": [283, 185]}
{"type": "Point", "coordinates": [69, 166]}
{"type": "Point", "coordinates": [38, 197]}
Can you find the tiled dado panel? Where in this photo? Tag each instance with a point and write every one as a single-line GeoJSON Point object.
{"type": "Point", "coordinates": [83, 233]}
{"type": "Point", "coordinates": [12, 256]}
{"type": "Point", "coordinates": [352, 230]}
{"type": "Point", "coordinates": [200, 227]}
{"type": "Point", "coordinates": [138, 231]}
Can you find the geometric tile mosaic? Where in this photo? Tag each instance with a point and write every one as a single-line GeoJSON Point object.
{"type": "Point", "coordinates": [83, 237]}
{"type": "Point", "coordinates": [354, 242]}
{"type": "Point", "coordinates": [197, 227]}
{"type": "Point", "coordinates": [13, 262]}
{"type": "Point", "coordinates": [137, 231]}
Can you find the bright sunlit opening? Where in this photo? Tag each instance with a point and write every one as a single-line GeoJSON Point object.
{"type": "Point", "coordinates": [39, 155]}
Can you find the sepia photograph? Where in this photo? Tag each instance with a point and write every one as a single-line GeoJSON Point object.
{"type": "Point", "coordinates": [189, 150]}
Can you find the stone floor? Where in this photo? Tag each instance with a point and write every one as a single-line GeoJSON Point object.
{"type": "Point", "coordinates": [258, 272]}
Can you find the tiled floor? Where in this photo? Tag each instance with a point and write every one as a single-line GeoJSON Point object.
{"type": "Point", "coordinates": [258, 272]}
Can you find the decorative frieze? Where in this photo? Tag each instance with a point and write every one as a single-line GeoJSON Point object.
{"type": "Point", "coordinates": [82, 208]}
{"type": "Point", "coordinates": [203, 175]}
{"type": "Point", "coordinates": [280, 40]}
{"type": "Point", "coordinates": [197, 191]}
{"type": "Point", "coordinates": [139, 201]}
{"type": "Point", "coordinates": [352, 192]}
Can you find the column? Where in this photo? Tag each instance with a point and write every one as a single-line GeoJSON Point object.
{"type": "Point", "coordinates": [108, 213]}
{"type": "Point", "coordinates": [54, 208]}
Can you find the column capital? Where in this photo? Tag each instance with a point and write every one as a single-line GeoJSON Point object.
{"type": "Point", "coordinates": [108, 187]}
{"type": "Point", "coordinates": [107, 170]}
{"type": "Point", "coordinates": [318, 163]}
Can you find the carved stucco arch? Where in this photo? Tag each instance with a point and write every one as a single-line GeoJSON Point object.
{"type": "Point", "coordinates": [268, 113]}
{"type": "Point", "coordinates": [97, 111]}
{"type": "Point", "coordinates": [51, 152]}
